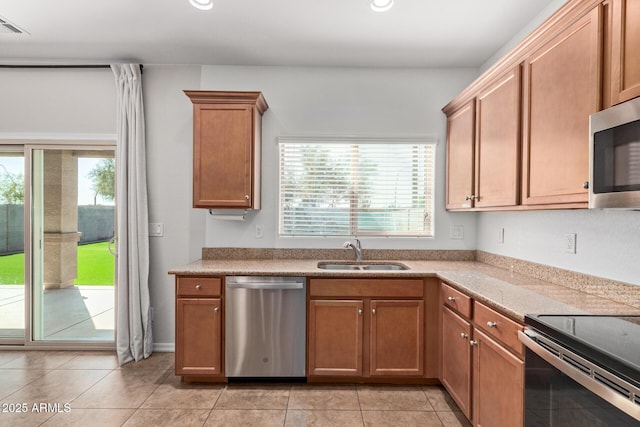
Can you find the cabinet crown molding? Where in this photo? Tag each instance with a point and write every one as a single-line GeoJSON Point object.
{"type": "Point", "coordinates": [228, 97]}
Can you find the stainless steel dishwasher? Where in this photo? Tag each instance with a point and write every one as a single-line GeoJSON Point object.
{"type": "Point", "coordinates": [265, 326]}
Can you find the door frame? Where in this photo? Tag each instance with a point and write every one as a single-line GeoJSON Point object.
{"type": "Point", "coordinates": [58, 142]}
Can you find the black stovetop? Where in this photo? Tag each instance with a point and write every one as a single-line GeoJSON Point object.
{"type": "Point", "coordinates": [612, 342]}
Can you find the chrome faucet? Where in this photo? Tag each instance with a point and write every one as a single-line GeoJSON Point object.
{"type": "Point", "coordinates": [357, 248]}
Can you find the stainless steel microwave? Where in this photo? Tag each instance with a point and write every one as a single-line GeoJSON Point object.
{"type": "Point", "coordinates": [614, 157]}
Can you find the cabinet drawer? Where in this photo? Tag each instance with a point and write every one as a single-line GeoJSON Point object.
{"type": "Point", "coordinates": [498, 326]}
{"type": "Point", "coordinates": [456, 300]}
{"type": "Point", "coordinates": [361, 288]}
{"type": "Point", "coordinates": [198, 286]}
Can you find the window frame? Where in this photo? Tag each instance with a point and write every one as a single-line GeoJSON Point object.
{"type": "Point", "coordinates": [351, 140]}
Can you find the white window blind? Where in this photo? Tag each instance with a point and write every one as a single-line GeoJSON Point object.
{"type": "Point", "coordinates": [356, 188]}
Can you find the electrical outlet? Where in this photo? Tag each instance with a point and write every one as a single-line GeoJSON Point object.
{"type": "Point", "coordinates": [501, 235]}
{"type": "Point", "coordinates": [570, 243]}
{"type": "Point", "coordinates": [259, 232]}
{"type": "Point", "coordinates": [456, 232]}
{"type": "Point", "coordinates": [156, 229]}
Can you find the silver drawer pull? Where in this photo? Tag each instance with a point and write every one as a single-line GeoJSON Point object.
{"type": "Point", "coordinates": [464, 336]}
{"type": "Point", "coordinates": [359, 312]}
{"type": "Point", "coordinates": [473, 343]}
{"type": "Point", "coordinates": [373, 311]}
{"type": "Point", "coordinates": [451, 299]}
{"type": "Point", "coordinates": [217, 309]}
{"type": "Point", "coordinates": [492, 324]}
{"type": "Point", "coordinates": [198, 287]}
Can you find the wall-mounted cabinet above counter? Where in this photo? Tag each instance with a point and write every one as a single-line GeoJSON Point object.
{"type": "Point", "coordinates": [517, 137]}
{"type": "Point", "coordinates": [227, 128]}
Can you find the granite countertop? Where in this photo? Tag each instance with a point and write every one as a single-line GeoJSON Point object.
{"type": "Point", "coordinates": [512, 294]}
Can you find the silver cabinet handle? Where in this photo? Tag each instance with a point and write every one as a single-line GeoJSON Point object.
{"type": "Point", "coordinates": [464, 336]}
{"type": "Point", "coordinates": [198, 287]}
{"type": "Point", "coordinates": [246, 197]}
{"type": "Point", "coordinates": [451, 299]}
{"type": "Point", "coordinates": [492, 324]}
{"type": "Point", "coordinates": [216, 309]}
{"type": "Point", "coordinates": [359, 312]}
{"type": "Point", "coordinates": [473, 343]}
{"type": "Point", "coordinates": [373, 311]}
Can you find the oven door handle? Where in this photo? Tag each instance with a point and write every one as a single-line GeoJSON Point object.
{"type": "Point", "coordinates": [618, 400]}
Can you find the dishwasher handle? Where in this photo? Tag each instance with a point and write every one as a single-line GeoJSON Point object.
{"type": "Point", "coordinates": [275, 286]}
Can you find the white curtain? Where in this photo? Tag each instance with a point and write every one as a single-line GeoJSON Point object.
{"type": "Point", "coordinates": [133, 337]}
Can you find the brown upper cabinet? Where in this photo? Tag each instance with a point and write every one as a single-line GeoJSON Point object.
{"type": "Point", "coordinates": [624, 36]}
{"type": "Point", "coordinates": [561, 89]}
{"type": "Point", "coordinates": [227, 129]}
{"type": "Point", "coordinates": [460, 148]}
{"type": "Point", "coordinates": [498, 142]}
{"type": "Point", "coordinates": [483, 146]}
{"type": "Point", "coordinates": [518, 136]}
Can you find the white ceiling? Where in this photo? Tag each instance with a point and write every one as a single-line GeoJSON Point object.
{"type": "Point", "coordinates": [414, 33]}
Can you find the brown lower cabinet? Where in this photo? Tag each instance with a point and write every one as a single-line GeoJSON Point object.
{"type": "Point", "coordinates": [482, 364]}
{"type": "Point", "coordinates": [199, 314]}
{"type": "Point", "coordinates": [456, 359]}
{"type": "Point", "coordinates": [498, 384]}
{"type": "Point", "coordinates": [355, 331]}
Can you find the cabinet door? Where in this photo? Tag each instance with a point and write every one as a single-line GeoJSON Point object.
{"type": "Point", "coordinates": [625, 50]}
{"type": "Point", "coordinates": [460, 146]}
{"type": "Point", "coordinates": [456, 359]}
{"type": "Point", "coordinates": [497, 153]}
{"type": "Point", "coordinates": [222, 157]}
{"type": "Point", "coordinates": [335, 337]}
{"type": "Point", "coordinates": [561, 90]}
{"type": "Point", "coordinates": [397, 337]}
{"type": "Point", "coordinates": [198, 336]}
{"type": "Point", "coordinates": [498, 385]}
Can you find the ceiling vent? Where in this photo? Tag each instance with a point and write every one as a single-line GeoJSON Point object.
{"type": "Point", "coordinates": [9, 28]}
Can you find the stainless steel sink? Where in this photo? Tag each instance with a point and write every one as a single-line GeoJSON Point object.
{"type": "Point", "coordinates": [385, 267]}
{"type": "Point", "coordinates": [382, 266]}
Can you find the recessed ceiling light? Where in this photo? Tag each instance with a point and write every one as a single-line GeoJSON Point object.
{"type": "Point", "coordinates": [202, 4]}
{"type": "Point", "coordinates": [381, 5]}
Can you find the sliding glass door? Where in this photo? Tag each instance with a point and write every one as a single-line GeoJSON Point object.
{"type": "Point", "coordinates": [12, 260]}
{"type": "Point", "coordinates": [57, 232]}
{"type": "Point", "coordinates": [73, 227]}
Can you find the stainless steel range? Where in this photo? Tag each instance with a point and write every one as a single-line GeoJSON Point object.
{"type": "Point", "coordinates": [582, 370]}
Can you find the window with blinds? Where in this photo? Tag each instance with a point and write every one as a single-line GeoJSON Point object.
{"type": "Point", "coordinates": [356, 188]}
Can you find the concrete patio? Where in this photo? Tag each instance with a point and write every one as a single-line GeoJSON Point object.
{"type": "Point", "coordinates": [77, 313]}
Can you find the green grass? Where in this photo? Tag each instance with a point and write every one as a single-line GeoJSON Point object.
{"type": "Point", "coordinates": [95, 266]}
{"type": "Point", "coordinates": [12, 269]}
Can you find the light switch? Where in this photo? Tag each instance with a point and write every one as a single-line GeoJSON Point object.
{"type": "Point", "coordinates": [156, 229]}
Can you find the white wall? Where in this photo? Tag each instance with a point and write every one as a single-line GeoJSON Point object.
{"type": "Point", "coordinates": [169, 128]}
{"type": "Point", "coordinates": [608, 241]}
{"type": "Point", "coordinates": [342, 101]}
{"type": "Point", "coordinates": [57, 102]}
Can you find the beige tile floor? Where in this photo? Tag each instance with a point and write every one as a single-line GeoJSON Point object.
{"type": "Point", "coordinates": [69, 388]}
